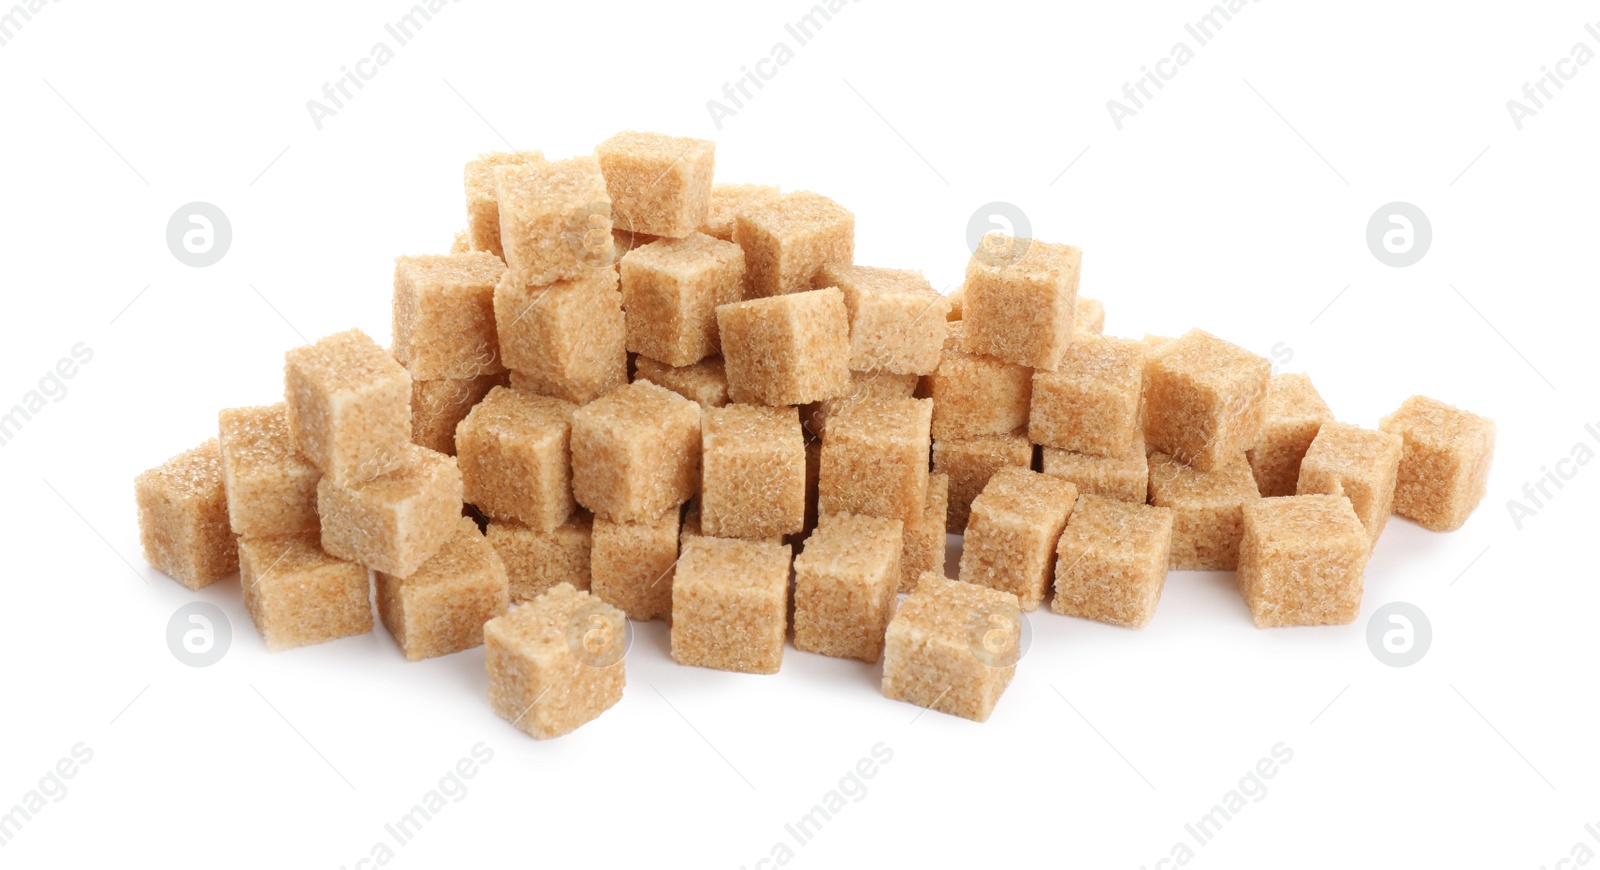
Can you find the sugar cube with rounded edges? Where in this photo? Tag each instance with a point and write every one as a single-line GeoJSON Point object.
{"type": "Point", "coordinates": [636, 452]}
{"type": "Point", "coordinates": [1111, 561]}
{"type": "Point", "coordinates": [845, 580]}
{"type": "Point", "coordinates": [442, 607]}
{"type": "Point", "coordinates": [557, 662]}
{"type": "Point", "coordinates": [183, 517]}
{"type": "Point", "coordinates": [659, 184]}
{"type": "Point", "coordinates": [789, 239]}
{"type": "Point", "coordinates": [1359, 464]}
{"type": "Point", "coordinates": [1204, 399]}
{"type": "Point", "coordinates": [396, 522]}
{"type": "Point", "coordinates": [730, 601]}
{"type": "Point", "coordinates": [952, 647]}
{"type": "Point", "coordinates": [513, 449]}
{"type": "Point", "coordinates": [1021, 300]}
{"type": "Point", "coordinates": [349, 405]}
{"type": "Point", "coordinates": [786, 350]}
{"type": "Point", "coordinates": [1011, 536]}
{"type": "Point", "coordinates": [1302, 560]}
{"type": "Point", "coordinates": [298, 595]}
{"type": "Point", "coordinates": [272, 488]}
{"type": "Point", "coordinates": [1444, 469]}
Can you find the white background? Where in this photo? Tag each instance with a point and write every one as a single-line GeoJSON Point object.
{"type": "Point", "coordinates": [1236, 201]}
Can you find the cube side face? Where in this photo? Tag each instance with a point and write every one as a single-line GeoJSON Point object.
{"type": "Point", "coordinates": [439, 619]}
{"type": "Point", "coordinates": [973, 396]}
{"type": "Point", "coordinates": [753, 481]}
{"type": "Point", "coordinates": [271, 489]}
{"type": "Point", "coordinates": [1019, 315]}
{"type": "Point", "coordinates": [483, 209]}
{"type": "Point", "coordinates": [1105, 586]}
{"type": "Point", "coordinates": [393, 528]}
{"type": "Point", "coordinates": [1124, 478]}
{"type": "Point", "coordinates": [845, 584]}
{"type": "Point", "coordinates": [730, 605]}
{"type": "Point", "coordinates": [896, 332]}
{"type": "Point", "coordinates": [522, 476]}
{"type": "Point", "coordinates": [602, 471]}
{"type": "Point", "coordinates": [1302, 561]}
{"type": "Point", "coordinates": [555, 219]}
{"type": "Point", "coordinates": [1206, 538]}
{"type": "Point", "coordinates": [1444, 466]}
{"type": "Point", "coordinates": [1358, 464]}
{"type": "Point", "coordinates": [1275, 459]}
{"type": "Point", "coordinates": [924, 542]}
{"type": "Point", "coordinates": [658, 184]}
{"type": "Point", "coordinates": [1083, 415]}
{"type": "Point", "coordinates": [999, 553]}
{"type": "Point", "coordinates": [184, 528]}
{"type": "Point", "coordinates": [633, 565]}
{"type": "Point", "coordinates": [317, 600]}
{"type": "Point", "coordinates": [438, 407]}
{"type": "Point", "coordinates": [940, 676]}
{"type": "Point", "coordinates": [549, 685]}
{"type": "Point", "coordinates": [538, 561]}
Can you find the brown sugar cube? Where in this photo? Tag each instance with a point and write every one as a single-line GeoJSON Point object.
{"type": "Point", "coordinates": [787, 240]}
{"type": "Point", "coordinates": [444, 315]}
{"type": "Point", "coordinates": [1359, 464]}
{"type": "Point", "coordinates": [1302, 560]}
{"type": "Point", "coordinates": [1292, 415]}
{"type": "Point", "coordinates": [636, 453]}
{"type": "Point", "coordinates": [753, 472]}
{"type": "Point", "coordinates": [183, 518]}
{"type": "Point", "coordinates": [437, 407]}
{"type": "Point", "coordinates": [671, 289]}
{"type": "Point", "coordinates": [632, 565]}
{"type": "Point", "coordinates": [1207, 507]}
{"type": "Point", "coordinates": [924, 544]}
{"type": "Point", "coordinates": [513, 452]}
{"type": "Point", "coordinates": [555, 220]}
{"type": "Point", "coordinates": [845, 580]}
{"type": "Point", "coordinates": [624, 241]}
{"type": "Point", "coordinates": [970, 462]}
{"type": "Point", "coordinates": [349, 406]}
{"type": "Point", "coordinates": [952, 647]}
{"type": "Point", "coordinates": [1090, 316]}
{"type": "Point", "coordinates": [659, 184]}
{"type": "Point", "coordinates": [704, 382]}
{"type": "Point", "coordinates": [538, 561]}
{"type": "Point", "coordinates": [1111, 561]}
{"type": "Point", "coordinates": [1125, 477]}
{"type": "Point", "coordinates": [730, 602]}
{"type": "Point", "coordinates": [1012, 533]}
{"type": "Point", "coordinates": [976, 395]}
{"type": "Point", "coordinates": [557, 662]}
{"type": "Point", "coordinates": [875, 459]}
{"type": "Point", "coordinates": [441, 608]}
{"type": "Point", "coordinates": [897, 319]}
{"type": "Point", "coordinates": [727, 200]}
{"type": "Point", "coordinates": [272, 489]}
{"type": "Point", "coordinates": [483, 207]}
{"type": "Point", "coordinates": [1444, 469]}
{"type": "Point", "coordinates": [787, 350]}
{"type": "Point", "coordinates": [298, 595]}
{"type": "Point", "coordinates": [1091, 403]}
{"type": "Point", "coordinates": [881, 385]}
{"type": "Point", "coordinates": [395, 522]}
{"type": "Point", "coordinates": [566, 340]}
{"type": "Point", "coordinates": [1021, 300]}
{"type": "Point", "coordinates": [1204, 399]}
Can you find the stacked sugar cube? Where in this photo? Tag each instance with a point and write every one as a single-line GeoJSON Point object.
{"type": "Point", "coordinates": [629, 393]}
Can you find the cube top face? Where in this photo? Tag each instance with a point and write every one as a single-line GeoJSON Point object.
{"type": "Point", "coordinates": [637, 410]}
{"type": "Point", "coordinates": [733, 567]}
{"type": "Point", "coordinates": [752, 427]}
{"type": "Point", "coordinates": [851, 545]}
{"type": "Point", "coordinates": [796, 215]}
{"type": "Point", "coordinates": [704, 382]}
{"type": "Point", "coordinates": [479, 174]}
{"type": "Point", "coordinates": [256, 437]}
{"type": "Point", "coordinates": [467, 553]}
{"type": "Point", "coordinates": [1022, 498]}
{"type": "Point", "coordinates": [347, 365]}
{"type": "Point", "coordinates": [659, 184]}
{"type": "Point", "coordinates": [1103, 362]}
{"type": "Point", "coordinates": [1224, 370]}
{"type": "Point", "coordinates": [285, 557]}
{"type": "Point", "coordinates": [1433, 424]}
{"type": "Point", "coordinates": [452, 273]}
{"type": "Point", "coordinates": [786, 350]}
{"type": "Point", "coordinates": [562, 627]}
{"type": "Point", "coordinates": [1303, 524]}
{"type": "Point", "coordinates": [684, 259]}
{"type": "Point", "coordinates": [1028, 262]}
{"type": "Point", "coordinates": [190, 478]}
{"type": "Point", "coordinates": [1291, 400]}
{"type": "Point", "coordinates": [859, 281]}
{"type": "Point", "coordinates": [873, 422]}
{"type": "Point", "coordinates": [421, 472]}
{"type": "Point", "coordinates": [729, 199]}
{"type": "Point", "coordinates": [510, 416]}
{"type": "Point", "coordinates": [1343, 449]}
{"type": "Point", "coordinates": [1173, 484]}
{"type": "Point", "coordinates": [1118, 528]}
{"type": "Point", "coordinates": [955, 615]}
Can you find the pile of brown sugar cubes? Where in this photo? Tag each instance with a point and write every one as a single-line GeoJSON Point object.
{"type": "Point", "coordinates": [629, 393]}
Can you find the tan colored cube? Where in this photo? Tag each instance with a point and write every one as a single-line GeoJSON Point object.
{"type": "Point", "coordinates": [671, 289]}
{"type": "Point", "coordinates": [632, 564]}
{"type": "Point", "coordinates": [183, 518]}
{"type": "Point", "coordinates": [298, 595]}
{"type": "Point", "coordinates": [1124, 478]}
{"type": "Point", "coordinates": [1444, 469]}
{"type": "Point", "coordinates": [396, 522]}
{"type": "Point", "coordinates": [875, 459]}
{"type": "Point", "coordinates": [514, 457]}
{"type": "Point", "coordinates": [1359, 464]}
{"type": "Point", "coordinates": [1090, 317]}
{"type": "Point", "coordinates": [881, 385]}
{"type": "Point", "coordinates": [636, 453]}
{"type": "Point", "coordinates": [483, 206]}
{"type": "Point", "coordinates": [537, 562]}
{"type": "Point", "coordinates": [1012, 533]}
{"type": "Point", "coordinates": [555, 220]}
{"type": "Point", "coordinates": [788, 240]}
{"type": "Point", "coordinates": [753, 477]}
{"type": "Point", "coordinates": [441, 609]}
{"type": "Point", "coordinates": [659, 184]}
{"type": "Point", "coordinates": [557, 662]}
{"type": "Point", "coordinates": [349, 406]}
{"type": "Point", "coordinates": [970, 462]}
{"type": "Point", "coordinates": [845, 580]}
{"type": "Point", "coordinates": [461, 243]}
{"type": "Point", "coordinates": [437, 407]}
{"type": "Point", "coordinates": [704, 383]}
{"type": "Point", "coordinates": [976, 395]}
{"type": "Point", "coordinates": [566, 340]}
{"type": "Point", "coordinates": [1091, 404]}
{"type": "Point", "coordinates": [786, 350]}
{"type": "Point", "coordinates": [952, 647]}
{"type": "Point", "coordinates": [1293, 414]}
{"type": "Point", "coordinates": [1021, 300]}
{"type": "Point", "coordinates": [730, 602]}
{"type": "Point", "coordinates": [444, 315]}
{"type": "Point", "coordinates": [727, 200]}
{"type": "Point", "coordinates": [272, 489]}
{"type": "Point", "coordinates": [1207, 506]}
{"type": "Point", "coordinates": [1204, 399]}
{"type": "Point", "coordinates": [1302, 561]}
{"type": "Point", "coordinates": [924, 549]}
{"type": "Point", "coordinates": [897, 319]}
{"type": "Point", "coordinates": [1111, 561]}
